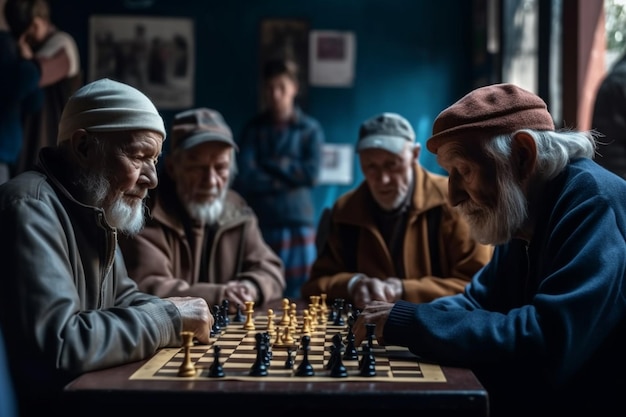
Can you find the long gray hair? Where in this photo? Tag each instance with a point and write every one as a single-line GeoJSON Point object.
{"type": "Point", "coordinates": [554, 149]}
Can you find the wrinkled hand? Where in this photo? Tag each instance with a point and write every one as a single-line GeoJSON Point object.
{"type": "Point", "coordinates": [368, 289]}
{"type": "Point", "coordinates": [376, 313]}
{"type": "Point", "coordinates": [238, 292]}
{"type": "Point", "coordinates": [196, 315]}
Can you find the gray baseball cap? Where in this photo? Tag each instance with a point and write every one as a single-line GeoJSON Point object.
{"type": "Point", "coordinates": [196, 126]}
{"type": "Point", "coordinates": [387, 131]}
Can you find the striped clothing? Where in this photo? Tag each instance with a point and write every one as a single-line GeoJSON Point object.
{"type": "Point", "coordinates": [296, 247]}
{"type": "Point", "coordinates": [278, 167]}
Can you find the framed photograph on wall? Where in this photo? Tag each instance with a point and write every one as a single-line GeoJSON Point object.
{"type": "Point", "coordinates": [153, 54]}
{"type": "Point", "coordinates": [286, 38]}
{"type": "Point", "coordinates": [337, 164]}
{"type": "Point", "coordinates": [332, 58]}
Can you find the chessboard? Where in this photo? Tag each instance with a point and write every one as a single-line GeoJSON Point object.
{"type": "Point", "coordinates": [235, 351]}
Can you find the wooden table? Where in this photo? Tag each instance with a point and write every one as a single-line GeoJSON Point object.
{"type": "Point", "coordinates": [112, 391]}
{"type": "Point", "coordinates": [461, 395]}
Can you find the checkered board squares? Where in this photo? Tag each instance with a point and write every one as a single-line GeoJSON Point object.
{"type": "Point", "coordinates": [238, 354]}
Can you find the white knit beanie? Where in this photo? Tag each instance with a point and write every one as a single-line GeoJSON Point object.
{"type": "Point", "coordinates": [107, 106]}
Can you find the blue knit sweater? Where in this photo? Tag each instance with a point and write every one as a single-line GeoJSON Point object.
{"type": "Point", "coordinates": [543, 325]}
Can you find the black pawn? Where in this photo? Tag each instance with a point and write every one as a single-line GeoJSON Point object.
{"type": "Point", "coordinates": [338, 370]}
{"type": "Point", "coordinates": [368, 362]}
{"type": "Point", "coordinates": [289, 360]}
{"type": "Point", "coordinates": [305, 368]}
{"type": "Point", "coordinates": [216, 370]}
{"type": "Point", "coordinates": [239, 317]}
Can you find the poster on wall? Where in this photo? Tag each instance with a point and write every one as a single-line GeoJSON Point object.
{"type": "Point", "coordinates": [332, 56]}
{"type": "Point", "coordinates": [337, 163]}
{"type": "Point", "coordinates": [286, 38]}
{"type": "Point", "coordinates": [153, 54]}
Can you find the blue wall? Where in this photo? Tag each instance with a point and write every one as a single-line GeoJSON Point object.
{"type": "Point", "coordinates": [413, 57]}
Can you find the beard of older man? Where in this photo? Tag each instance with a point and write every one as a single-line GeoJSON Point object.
{"type": "Point", "coordinates": [126, 216]}
{"type": "Point", "coordinates": [497, 225]}
{"type": "Point", "coordinates": [206, 212]}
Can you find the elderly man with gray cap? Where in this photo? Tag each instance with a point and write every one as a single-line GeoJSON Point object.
{"type": "Point", "coordinates": [394, 237]}
{"type": "Point", "coordinates": [543, 324]}
{"type": "Point", "coordinates": [202, 238]}
{"type": "Point", "coordinates": [67, 305]}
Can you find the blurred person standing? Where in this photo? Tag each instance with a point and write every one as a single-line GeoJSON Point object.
{"type": "Point", "coordinates": [19, 83]}
{"type": "Point", "coordinates": [609, 119]}
{"type": "Point", "coordinates": [57, 56]}
{"type": "Point", "coordinates": [279, 163]}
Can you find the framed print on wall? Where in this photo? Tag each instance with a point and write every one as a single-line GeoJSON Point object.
{"type": "Point", "coordinates": [153, 54]}
{"type": "Point", "coordinates": [286, 38]}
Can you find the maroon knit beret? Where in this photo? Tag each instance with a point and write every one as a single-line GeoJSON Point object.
{"type": "Point", "coordinates": [490, 111]}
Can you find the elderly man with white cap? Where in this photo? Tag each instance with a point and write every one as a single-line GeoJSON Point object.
{"type": "Point", "coordinates": [543, 324]}
{"type": "Point", "coordinates": [67, 305]}
{"type": "Point", "coordinates": [394, 237]}
{"type": "Point", "coordinates": [202, 238]}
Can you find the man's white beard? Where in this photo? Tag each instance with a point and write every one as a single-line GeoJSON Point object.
{"type": "Point", "coordinates": [207, 213]}
{"type": "Point", "coordinates": [497, 225]}
{"type": "Point", "coordinates": [126, 218]}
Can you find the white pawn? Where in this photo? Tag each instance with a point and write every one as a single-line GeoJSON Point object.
{"type": "Point", "coordinates": [271, 329]}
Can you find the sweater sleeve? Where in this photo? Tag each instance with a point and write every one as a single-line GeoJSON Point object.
{"type": "Point", "coordinates": [575, 300]}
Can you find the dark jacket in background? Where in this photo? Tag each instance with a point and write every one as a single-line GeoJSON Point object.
{"type": "Point", "coordinates": [19, 95]}
{"type": "Point", "coordinates": [609, 118]}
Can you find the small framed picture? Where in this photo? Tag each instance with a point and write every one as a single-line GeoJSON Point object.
{"type": "Point", "coordinates": [286, 38]}
{"type": "Point", "coordinates": [153, 54]}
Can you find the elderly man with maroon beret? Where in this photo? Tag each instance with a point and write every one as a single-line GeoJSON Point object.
{"type": "Point", "coordinates": [543, 323]}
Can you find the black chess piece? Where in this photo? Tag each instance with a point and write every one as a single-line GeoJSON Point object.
{"type": "Point", "coordinates": [337, 370]}
{"type": "Point", "coordinates": [216, 370]}
{"type": "Point", "coordinates": [224, 311]}
{"type": "Point", "coordinates": [305, 368]}
{"type": "Point", "coordinates": [239, 316]}
{"type": "Point", "coordinates": [267, 347]}
{"type": "Point", "coordinates": [332, 358]}
{"type": "Point", "coordinates": [289, 360]}
{"type": "Point", "coordinates": [368, 362]}
{"type": "Point", "coordinates": [258, 367]}
{"type": "Point", "coordinates": [216, 322]}
{"type": "Point", "coordinates": [338, 307]}
{"type": "Point", "coordinates": [370, 333]}
{"type": "Point", "coordinates": [351, 352]}
{"type": "Point", "coordinates": [332, 312]}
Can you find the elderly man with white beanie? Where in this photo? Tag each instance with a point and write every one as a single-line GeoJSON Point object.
{"type": "Point", "coordinates": [67, 305]}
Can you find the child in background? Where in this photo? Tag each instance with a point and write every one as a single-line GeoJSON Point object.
{"type": "Point", "coordinates": [279, 163]}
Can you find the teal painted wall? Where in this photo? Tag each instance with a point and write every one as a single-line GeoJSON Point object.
{"type": "Point", "coordinates": [413, 57]}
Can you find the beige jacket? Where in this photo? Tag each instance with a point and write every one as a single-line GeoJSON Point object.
{"type": "Point", "coordinates": [164, 262]}
{"type": "Point", "coordinates": [459, 255]}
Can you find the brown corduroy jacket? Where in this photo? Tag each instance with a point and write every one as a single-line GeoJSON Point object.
{"type": "Point", "coordinates": [352, 228]}
{"type": "Point", "coordinates": [163, 262]}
